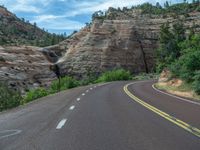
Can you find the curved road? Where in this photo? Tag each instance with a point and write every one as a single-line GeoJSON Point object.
{"type": "Point", "coordinates": [103, 117]}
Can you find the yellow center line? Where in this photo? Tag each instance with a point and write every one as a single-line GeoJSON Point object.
{"type": "Point", "coordinates": [195, 131]}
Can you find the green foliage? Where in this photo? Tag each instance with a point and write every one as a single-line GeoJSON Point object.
{"type": "Point", "coordinates": [169, 49]}
{"type": "Point", "coordinates": [8, 97]}
{"type": "Point", "coordinates": [15, 31]}
{"type": "Point", "coordinates": [145, 76]}
{"type": "Point", "coordinates": [187, 66]}
{"type": "Point", "coordinates": [196, 83]}
{"type": "Point", "coordinates": [34, 94]}
{"type": "Point", "coordinates": [114, 75]}
{"type": "Point", "coordinates": [189, 62]}
{"type": "Point", "coordinates": [65, 83]}
{"type": "Point", "coordinates": [148, 8]}
{"type": "Point", "coordinates": [2, 59]}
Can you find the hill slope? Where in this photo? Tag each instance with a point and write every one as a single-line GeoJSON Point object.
{"type": "Point", "coordinates": [15, 31]}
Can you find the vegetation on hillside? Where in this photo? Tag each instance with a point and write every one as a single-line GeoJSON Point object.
{"type": "Point", "coordinates": [8, 97]}
{"type": "Point", "coordinates": [115, 75]}
{"type": "Point", "coordinates": [147, 8]}
{"type": "Point", "coordinates": [180, 53]}
{"type": "Point", "coordinates": [15, 31]}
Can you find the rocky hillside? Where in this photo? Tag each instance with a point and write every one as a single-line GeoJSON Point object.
{"type": "Point", "coordinates": [15, 31]}
{"type": "Point", "coordinates": [124, 38]}
{"type": "Point", "coordinates": [25, 68]}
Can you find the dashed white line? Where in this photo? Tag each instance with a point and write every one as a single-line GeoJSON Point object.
{"type": "Point", "coordinates": [87, 91]}
{"type": "Point", "coordinates": [91, 88]}
{"type": "Point", "coordinates": [78, 99]}
{"type": "Point", "coordinates": [83, 94]}
{"type": "Point", "coordinates": [8, 133]}
{"type": "Point", "coordinates": [72, 107]}
{"type": "Point", "coordinates": [61, 124]}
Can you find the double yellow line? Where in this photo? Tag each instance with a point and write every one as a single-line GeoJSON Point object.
{"type": "Point", "coordinates": [187, 127]}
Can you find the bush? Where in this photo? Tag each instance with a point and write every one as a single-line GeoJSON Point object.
{"type": "Point", "coordinates": [65, 83]}
{"type": "Point", "coordinates": [8, 97]}
{"type": "Point", "coordinates": [189, 62]}
{"type": "Point", "coordinates": [34, 94]}
{"type": "Point", "coordinates": [2, 59]}
{"type": "Point", "coordinates": [114, 75]}
{"type": "Point", "coordinates": [196, 83]}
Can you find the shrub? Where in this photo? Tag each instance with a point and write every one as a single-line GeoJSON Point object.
{"type": "Point", "coordinates": [34, 94]}
{"type": "Point", "coordinates": [196, 83]}
{"type": "Point", "coordinates": [8, 97]}
{"type": "Point", "coordinates": [65, 83]}
{"type": "Point", "coordinates": [114, 75]}
{"type": "Point", "coordinates": [2, 59]}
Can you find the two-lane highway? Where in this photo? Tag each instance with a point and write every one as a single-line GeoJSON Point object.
{"type": "Point", "coordinates": [100, 118]}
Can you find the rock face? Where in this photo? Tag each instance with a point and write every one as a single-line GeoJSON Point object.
{"type": "Point", "coordinates": [25, 68]}
{"type": "Point", "coordinates": [127, 42]}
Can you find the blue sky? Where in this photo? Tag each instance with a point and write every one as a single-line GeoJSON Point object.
{"type": "Point", "coordinates": [58, 16]}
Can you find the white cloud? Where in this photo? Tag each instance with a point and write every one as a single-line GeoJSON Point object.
{"type": "Point", "coordinates": [43, 18]}
{"type": "Point", "coordinates": [57, 22]}
{"type": "Point", "coordinates": [25, 5]}
{"type": "Point", "coordinates": [88, 7]}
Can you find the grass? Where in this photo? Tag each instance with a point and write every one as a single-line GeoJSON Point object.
{"type": "Point", "coordinates": [10, 99]}
{"type": "Point", "coordinates": [184, 87]}
{"type": "Point", "coordinates": [115, 75]}
{"type": "Point", "coordinates": [145, 76]}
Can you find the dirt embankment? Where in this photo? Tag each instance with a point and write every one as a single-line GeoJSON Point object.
{"type": "Point", "coordinates": [175, 86]}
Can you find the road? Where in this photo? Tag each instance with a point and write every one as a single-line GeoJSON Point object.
{"type": "Point", "coordinates": [102, 117]}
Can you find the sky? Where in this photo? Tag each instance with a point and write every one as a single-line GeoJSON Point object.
{"type": "Point", "coordinates": [59, 16]}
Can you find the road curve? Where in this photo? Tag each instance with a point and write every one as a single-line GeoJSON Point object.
{"type": "Point", "coordinates": [100, 117]}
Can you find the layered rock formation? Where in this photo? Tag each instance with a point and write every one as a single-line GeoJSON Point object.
{"type": "Point", "coordinates": [128, 41]}
{"type": "Point", "coordinates": [24, 68]}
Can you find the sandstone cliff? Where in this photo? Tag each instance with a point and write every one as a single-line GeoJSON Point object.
{"type": "Point", "coordinates": [128, 41]}
{"type": "Point", "coordinates": [121, 40]}
{"type": "Point", "coordinates": [25, 68]}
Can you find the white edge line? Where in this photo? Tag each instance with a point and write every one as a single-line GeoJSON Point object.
{"type": "Point", "coordinates": [61, 124]}
{"type": "Point", "coordinates": [186, 100]}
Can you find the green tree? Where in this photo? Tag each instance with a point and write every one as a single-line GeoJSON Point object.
{"type": "Point", "coordinates": [166, 4]}
{"type": "Point", "coordinates": [169, 49]}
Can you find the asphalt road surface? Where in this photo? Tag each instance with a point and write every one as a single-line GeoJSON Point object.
{"type": "Point", "coordinates": [103, 117]}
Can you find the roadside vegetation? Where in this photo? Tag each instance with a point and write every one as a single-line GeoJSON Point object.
{"type": "Point", "coordinates": [180, 53]}
{"type": "Point", "coordinates": [184, 90]}
{"type": "Point", "coordinates": [10, 99]}
{"type": "Point", "coordinates": [115, 75]}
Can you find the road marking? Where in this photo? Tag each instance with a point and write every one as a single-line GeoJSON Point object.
{"type": "Point", "coordinates": [195, 131]}
{"type": "Point", "coordinates": [95, 86]}
{"type": "Point", "coordinates": [72, 107]}
{"type": "Point", "coordinates": [8, 133]}
{"type": "Point", "coordinates": [78, 99]}
{"type": "Point", "coordinates": [87, 91]}
{"type": "Point", "coordinates": [83, 94]}
{"type": "Point", "coordinates": [61, 124]}
{"type": "Point", "coordinates": [91, 88]}
{"type": "Point", "coordinates": [186, 100]}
